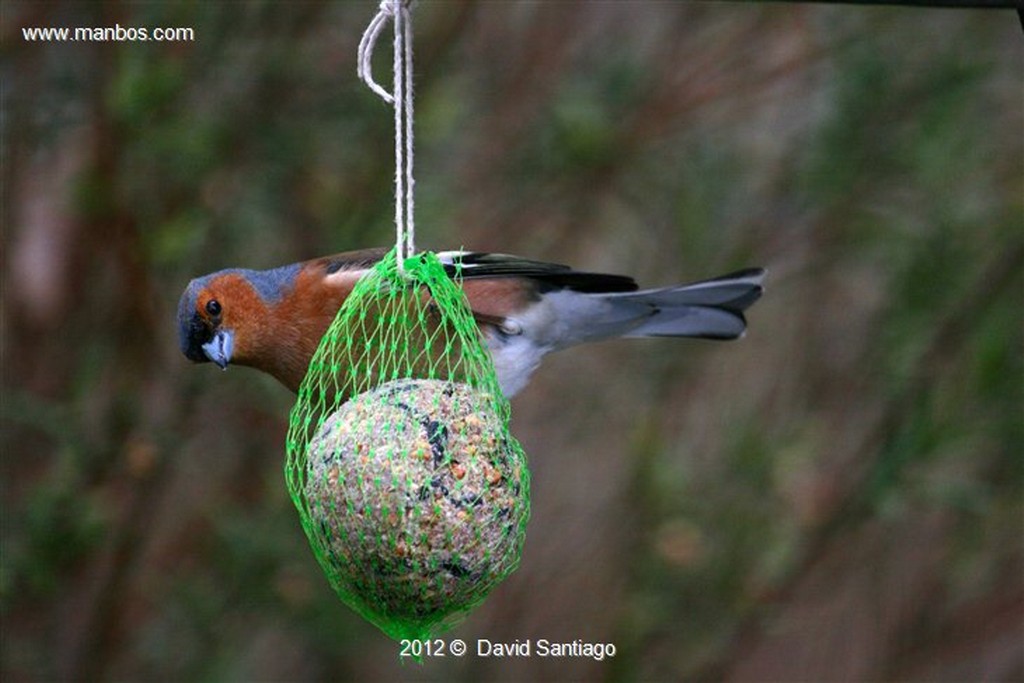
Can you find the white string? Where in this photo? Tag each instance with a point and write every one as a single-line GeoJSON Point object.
{"type": "Point", "coordinates": [365, 68]}
{"type": "Point", "coordinates": [401, 99]}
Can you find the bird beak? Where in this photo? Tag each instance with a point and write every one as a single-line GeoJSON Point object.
{"type": "Point", "coordinates": [220, 347]}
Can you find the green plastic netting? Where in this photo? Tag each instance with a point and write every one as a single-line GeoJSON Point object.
{"type": "Point", "coordinates": [412, 491]}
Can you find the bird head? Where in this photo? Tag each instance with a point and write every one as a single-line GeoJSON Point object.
{"type": "Point", "coordinates": [220, 316]}
{"type": "Point", "coordinates": [206, 312]}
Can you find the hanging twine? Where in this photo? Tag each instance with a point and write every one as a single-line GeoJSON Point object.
{"type": "Point", "coordinates": [401, 99]}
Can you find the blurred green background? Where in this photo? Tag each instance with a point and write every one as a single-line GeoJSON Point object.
{"type": "Point", "coordinates": [838, 496]}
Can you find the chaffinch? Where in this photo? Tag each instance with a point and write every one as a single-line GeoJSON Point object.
{"type": "Point", "coordinates": [272, 320]}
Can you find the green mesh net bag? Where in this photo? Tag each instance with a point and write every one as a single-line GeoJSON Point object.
{"type": "Point", "coordinates": [412, 491]}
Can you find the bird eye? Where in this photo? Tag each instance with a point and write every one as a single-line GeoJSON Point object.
{"type": "Point", "coordinates": [213, 307]}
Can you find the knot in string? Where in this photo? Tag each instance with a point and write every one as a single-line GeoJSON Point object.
{"type": "Point", "coordinates": [399, 11]}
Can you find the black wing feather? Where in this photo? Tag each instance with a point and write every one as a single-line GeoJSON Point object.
{"type": "Point", "coordinates": [551, 275]}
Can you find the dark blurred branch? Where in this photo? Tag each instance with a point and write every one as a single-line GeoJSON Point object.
{"type": "Point", "coordinates": [111, 236]}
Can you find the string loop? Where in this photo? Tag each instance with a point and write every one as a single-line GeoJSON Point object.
{"type": "Point", "coordinates": [400, 13]}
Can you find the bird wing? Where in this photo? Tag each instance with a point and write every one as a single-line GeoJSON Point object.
{"type": "Point", "coordinates": [350, 260]}
{"type": "Point", "coordinates": [475, 264]}
{"type": "Point", "coordinates": [343, 269]}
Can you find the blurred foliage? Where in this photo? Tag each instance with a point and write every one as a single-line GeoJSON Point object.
{"type": "Point", "coordinates": [836, 497]}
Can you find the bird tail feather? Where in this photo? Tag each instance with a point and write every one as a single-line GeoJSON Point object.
{"type": "Point", "coordinates": [709, 309]}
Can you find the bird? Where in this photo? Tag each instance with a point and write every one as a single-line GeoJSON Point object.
{"type": "Point", "coordinates": [273, 320]}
